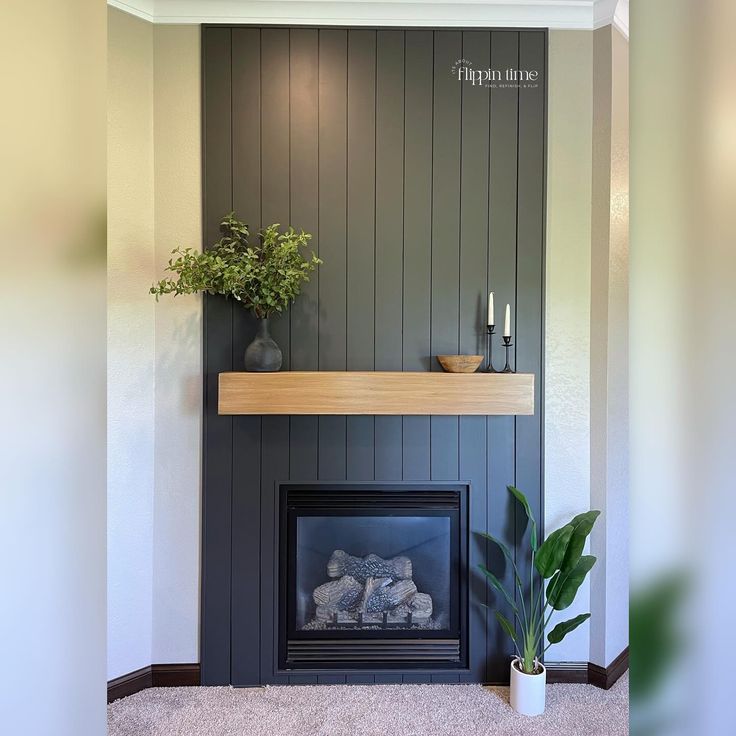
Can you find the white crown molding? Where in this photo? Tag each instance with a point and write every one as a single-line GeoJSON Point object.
{"type": "Point", "coordinates": [612, 12]}
{"type": "Point", "coordinates": [140, 8]}
{"type": "Point", "coordinates": [558, 14]}
{"type": "Point", "coordinates": [603, 11]}
{"type": "Point", "coordinates": [621, 17]}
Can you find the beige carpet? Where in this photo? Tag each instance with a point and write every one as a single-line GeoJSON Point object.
{"type": "Point", "coordinates": [367, 710]}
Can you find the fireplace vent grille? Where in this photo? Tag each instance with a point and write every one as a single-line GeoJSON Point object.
{"type": "Point", "coordinates": [357, 499]}
{"type": "Point", "coordinates": [374, 652]}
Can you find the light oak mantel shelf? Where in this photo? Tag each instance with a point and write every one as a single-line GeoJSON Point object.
{"type": "Point", "coordinates": [376, 393]}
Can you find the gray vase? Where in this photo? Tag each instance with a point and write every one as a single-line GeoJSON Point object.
{"type": "Point", "coordinates": [263, 354]}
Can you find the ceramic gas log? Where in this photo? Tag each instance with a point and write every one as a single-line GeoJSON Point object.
{"type": "Point", "coordinates": [371, 566]}
{"type": "Point", "coordinates": [370, 592]}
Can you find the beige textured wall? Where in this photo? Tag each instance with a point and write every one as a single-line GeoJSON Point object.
{"type": "Point", "coordinates": [568, 297]}
{"type": "Point", "coordinates": [609, 346]}
{"type": "Point", "coordinates": [617, 476]}
{"type": "Point", "coordinates": [154, 357]}
{"type": "Point", "coordinates": [599, 317]}
{"type": "Point", "coordinates": [586, 341]}
{"type": "Point", "coordinates": [178, 396]}
{"type": "Point", "coordinates": [131, 327]}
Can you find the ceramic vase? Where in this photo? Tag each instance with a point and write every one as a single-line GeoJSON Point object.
{"type": "Point", "coordinates": [527, 691]}
{"type": "Point", "coordinates": [263, 354]}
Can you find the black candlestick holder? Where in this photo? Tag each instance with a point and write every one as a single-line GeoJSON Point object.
{"type": "Point", "coordinates": [489, 351]}
{"type": "Point", "coordinates": [507, 344]}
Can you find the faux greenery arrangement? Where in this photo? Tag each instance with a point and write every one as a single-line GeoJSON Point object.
{"type": "Point", "coordinates": [560, 560]}
{"type": "Point", "coordinates": [264, 277]}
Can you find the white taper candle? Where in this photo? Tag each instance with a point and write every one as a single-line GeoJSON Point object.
{"type": "Point", "coordinates": [491, 318]}
{"type": "Point", "coordinates": [507, 322]}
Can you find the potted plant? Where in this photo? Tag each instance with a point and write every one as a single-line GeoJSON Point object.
{"type": "Point", "coordinates": [265, 277]}
{"type": "Point", "coordinates": [560, 560]}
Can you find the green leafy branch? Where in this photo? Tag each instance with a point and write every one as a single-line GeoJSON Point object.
{"type": "Point", "coordinates": [265, 276]}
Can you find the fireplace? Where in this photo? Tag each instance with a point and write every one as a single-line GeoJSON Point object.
{"type": "Point", "coordinates": [373, 575]}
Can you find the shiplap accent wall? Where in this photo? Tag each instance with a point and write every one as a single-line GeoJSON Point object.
{"type": "Point", "coordinates": [422, 193]}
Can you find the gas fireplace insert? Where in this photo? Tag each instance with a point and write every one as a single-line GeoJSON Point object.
{"type": "Point", "coordinates": [373, 575]}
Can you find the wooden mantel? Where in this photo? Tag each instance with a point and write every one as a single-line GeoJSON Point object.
{"type": "Point", "coordinates": [376, 392]}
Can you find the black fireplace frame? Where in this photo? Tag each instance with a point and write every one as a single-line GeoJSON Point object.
{"type": "Point", "coordinates": [344, 650]}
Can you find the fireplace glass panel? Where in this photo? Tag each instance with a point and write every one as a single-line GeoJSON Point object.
{"type": "Point", "coordinates": [361, 572]}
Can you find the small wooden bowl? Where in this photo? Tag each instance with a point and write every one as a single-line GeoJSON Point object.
{"type": "Point", "coordinates": [460, 363]}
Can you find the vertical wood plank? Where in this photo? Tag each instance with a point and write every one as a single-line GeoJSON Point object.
{"type": "Point", "coordinates": [275, 150]}
{"type": "Point", "coordinates": [246, 453]}
{"type": "Point", "coordinates": [446, 145]}
{"type": "Point", "coordinates": [361, 213]}
{"type": "Point", "coordinates": [473, 313]}
{"type": "Point", "coordinates": [530, 275]}
{"type": "Point", "coordinates": [474, 199]}
{"type": "Point", "coordinates": [304, 187]}
{"type": "Point", "coordinates": [502, 281]}
{"type": "Point", "coordinates": [332, 199]}
{"type": "Point", "coordinates": [246, 159]}
{"type": "Point", "coordinates": [246, 546]}
{"type": "Point", "coordinates": [333, 233]}
{"type": "Point", "coordinates": [418, 127]}
{"type": "Point", "coordinates": [361, 193]}
{"type": "Point", "coordinates": [304, 178]}
{"type": "Point", "coordinates": [274, 468]}
{"type": "Point", "coordinates": [419, 61]}
{"type": "Point", "coordinates": [246, 111]}
{"type": "Point", "coordinates": [389, 199]}
{"type": "Point", "coordinates": [473, 454]}
{"type": "Point", "coordinates": [446, 152]}
{"type": "Point", "coordinates": [275, 206]}
{"type": "Point", "coordinates": [360, 451]}
{"type": "Point", "coordinates": [217, 318]}
{"type": "Point", "coordinates": [388, 450]}
{"type": "Point", "coordinates": [389, 236]}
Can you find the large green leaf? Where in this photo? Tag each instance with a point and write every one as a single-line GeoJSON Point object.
{"type": "Point", "coordinates": [495, 540]}
{"type": "Point", "coordinates": [506, 626]}
{"type": "Point", "coordinates": [506, 551]}
{"type": "Point", "coordinates": [497, 585]}
{"type": "Point", "coordinates": [521, 498]}
{"type": "Point", "coordinates": [582, 525]}
{"type": "Point", "coordinates": [565, 627]}
{"type": "Point", "coordinates": [563, 587]}
{"type": "Point", "coordinates": [552, 551]}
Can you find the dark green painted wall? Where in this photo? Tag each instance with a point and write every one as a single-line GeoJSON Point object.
{"type": "Point", "coordinates": [422, 194]}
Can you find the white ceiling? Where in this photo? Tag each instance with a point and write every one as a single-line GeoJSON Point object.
{"type": "Point", "coordinates": [574, 14]}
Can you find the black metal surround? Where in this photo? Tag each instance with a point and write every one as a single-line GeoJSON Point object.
{"type": "Point", "coordinates": [445, 648]}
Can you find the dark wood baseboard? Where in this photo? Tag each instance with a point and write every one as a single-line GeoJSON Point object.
{"type": "Point", "coordinates": [175, 675]}
{"type": "Point", "coordinates": [155, 675]}
{"type": "Point", "coordinates": [129, 684]}
{"type": "Point", "coordinates": [587, 672]}
{"type": "Point", "coordinates": [605, 677]}
{"type": "Point", "coordinates": [185, 675]}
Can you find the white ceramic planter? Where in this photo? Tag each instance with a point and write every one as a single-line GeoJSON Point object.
{"type": "Point", "coordinates": [527, 691]}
